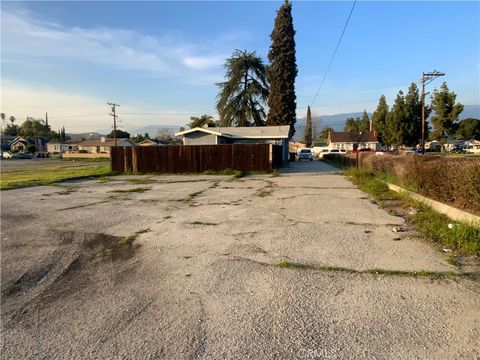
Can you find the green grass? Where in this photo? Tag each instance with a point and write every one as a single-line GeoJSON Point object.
{"type": "Point", "coordinates": [284, 264]}
{"type": "Point", "coordinates": [86, 159]}
{"type": "Point", "coordinates": [430, 224]}
{"type": "Point", "coordinates": [131, 190]}
{"type": "Point", "coordinates": [131, 238]}
{"type": "Point", "coordinates": [235, 173]}
{"type": "Point", "coordinates": [48, 175]}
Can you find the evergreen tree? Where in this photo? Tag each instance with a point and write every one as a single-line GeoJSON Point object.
{"type": "Point", "coordinates": [379, 118]}
{"type": "Point", "coordinates": [351, 125]}
{"type": "Point", "coordinates": [468, 129]}
{"type": "Point", "coordinates": [324, 133]}
{"type": "Point", "coordinates": [364, 122]}
{"type": "Point", "coordinates": [308, 129]}
{"type": "Point", "coordinates": [395, 122]}
{"type": "Point", "coordinates": [446, 113]}
{"type": "Point", "coordinates": [282, 71]}
{"type": "Point", "coordinates": [413, 108]}
{"type": "Point", "coordinates": [31, 129]}
{"type": "Point", "coordinates": [244, 92]}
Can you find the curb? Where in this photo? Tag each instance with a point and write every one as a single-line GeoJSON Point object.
{"type": "Point", "coordinates": [451, 212]}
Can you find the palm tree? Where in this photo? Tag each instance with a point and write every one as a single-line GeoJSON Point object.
{"type": "Point", "coordinates": [201, 121]}
{"type": "Point", "coordinates": [244, 92]}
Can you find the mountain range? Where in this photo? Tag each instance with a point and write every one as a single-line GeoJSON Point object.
{"type": "Point", "coordinates": [336, 121]}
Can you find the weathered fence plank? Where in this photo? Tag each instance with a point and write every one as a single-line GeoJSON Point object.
{"type": "Point", "coordinates": [195, 158]}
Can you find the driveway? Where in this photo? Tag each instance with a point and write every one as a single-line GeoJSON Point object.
{"type": "Point", "coordinates": [312, 167]}
{"type": "Point", "coordinates": [208, 267]}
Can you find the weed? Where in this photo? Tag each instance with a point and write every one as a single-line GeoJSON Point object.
{"type": "Point", "coordinates": [82, 206]}
{"type": "Point", "coordinates": [431, 225]}
{"type": "Point", "coordinates": [142, 180]}
{"type": "Point", "coordinates": [131, 238]}
{"type": "Point", "coordinates": [375, 271]}
{"type": "Point", "coordinates": [452, 259]}
{"type": "Point", "coordinates": [131, 190]}
{"type": "Point", "coordinates": [203, 223]}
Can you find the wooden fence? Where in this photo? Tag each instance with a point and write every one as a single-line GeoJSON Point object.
{"type": "Point", "coordinates": [195, 158]}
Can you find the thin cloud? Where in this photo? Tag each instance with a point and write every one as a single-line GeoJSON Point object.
{"type": "Point", "coordinates": [167, 55]}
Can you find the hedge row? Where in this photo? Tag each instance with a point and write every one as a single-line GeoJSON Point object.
{"type": "Point", "coordinates": [454, 181]}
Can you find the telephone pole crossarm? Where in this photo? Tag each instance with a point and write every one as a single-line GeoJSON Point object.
{"type": "Point", "coordinates": [425, 77]}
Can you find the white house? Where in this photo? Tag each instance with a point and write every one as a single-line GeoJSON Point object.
{"type": "Point", "coordinates": [62, 146]}
{"type": "Point", "coordinates": [348, 140]}
{"type": "Point", "coordinates": [102, 145]}
{"type": "Point", "coordinates": [277, 135]}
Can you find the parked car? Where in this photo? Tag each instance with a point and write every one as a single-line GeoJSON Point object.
{"type": "Point", "coordinates": [7, 155]}
{"type": "Point", "coordinates": [21, 155]}
{"type": "Point", "coordinates": [305, 154]}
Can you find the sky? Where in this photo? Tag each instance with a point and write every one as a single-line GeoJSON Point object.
{"type": "Point", "coordinates": [160, 60]}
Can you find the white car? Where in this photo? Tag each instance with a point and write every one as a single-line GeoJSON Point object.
{"type": "Point", "coordinates": [305, 154]}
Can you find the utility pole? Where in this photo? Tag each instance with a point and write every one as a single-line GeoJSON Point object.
{"type": "Point", "coordinates": [427, 78]}
{"type": "Point", "coordinates": [113, 105]}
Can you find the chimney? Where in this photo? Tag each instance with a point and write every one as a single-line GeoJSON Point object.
{"type": "Point", "coordinates": [102, 139]}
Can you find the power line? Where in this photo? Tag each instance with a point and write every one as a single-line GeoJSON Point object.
{"type": "Point", "coordinates": [335, 52]}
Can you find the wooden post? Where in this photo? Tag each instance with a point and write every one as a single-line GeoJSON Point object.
{"type": "Point", "coordinates": [270, 157]}
{"type": "Point", "coordinates": [134, 159]}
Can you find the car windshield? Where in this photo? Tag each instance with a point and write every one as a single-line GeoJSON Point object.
{"type": "Point", "coordinates": [305, 151]}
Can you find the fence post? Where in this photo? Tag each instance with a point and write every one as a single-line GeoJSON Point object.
{"type": "Point", "coordinates": [134, 159]}
{"type": "Point", "coordinates": [270, 157]}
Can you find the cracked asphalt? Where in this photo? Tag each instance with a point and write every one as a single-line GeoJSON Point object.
{"type": "Point", "coordinates": [199, 278]}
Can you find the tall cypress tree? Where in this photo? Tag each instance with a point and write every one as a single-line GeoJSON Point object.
{"type": "Point", "coordinates": [379, 118]}
{"type": "Point", "coordinates": [308, 129]}
{"type": "Point", "coordinates": [413, 108]}
{"type": "Point", "coordinates": [364, 123]}
{"type": "Point", "coordinates": [282, 71]}
{"type": "Point", "coordinates": [396, 122]}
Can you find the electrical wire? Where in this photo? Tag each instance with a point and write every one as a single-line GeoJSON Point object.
{"type": "Point", "coordinates": [335, 52]}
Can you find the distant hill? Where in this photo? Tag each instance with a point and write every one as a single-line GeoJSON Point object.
{"type": "Point", "coordinates": [92, 135]}
{"type": "Point", "coordinates": [470, 111]}
{"type": "Point", "coordinates": [152, 130]}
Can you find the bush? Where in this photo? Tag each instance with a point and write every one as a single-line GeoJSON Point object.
{"type": "Point", "coordinates": [454, 181]}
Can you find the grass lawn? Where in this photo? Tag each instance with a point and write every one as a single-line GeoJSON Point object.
{"type": "Point", "coordinates": [35, 176]}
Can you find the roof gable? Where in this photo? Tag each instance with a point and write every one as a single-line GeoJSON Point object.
{"type": "Point", "coordinates": [352, 137]}
{"type": "Point", "coordinates": [250, 132]}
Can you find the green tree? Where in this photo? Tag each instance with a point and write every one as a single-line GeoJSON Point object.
{"type": "Point", "coordinates": [11, 129]}
{"type": "Point", "coordinates": [244, 92]}
{"type": "Point", "coordinates": [120, 134]}
{"type": "Point", "coordinates": [282, 71]}
{"type": "Point", "coordinates": [395, 122]}
{"type": "Point", "coordinates": [31, 129]}
{"type": "Point", "coordinates": [351, 125]}
{"type": "Point", "coordinates": [308, 129]}
{"type": "Point", "coordinates": [468, 129]}
{"type": "Point", "coordinates": [324, 133]}
{"type": "Point", "coordinates": [201, 121]}
{"type": "Point", "coordinates": [446, 113]}
{"type": "Point", "coordinates": [379, 118]}
{"type": "Point", "coordinates": [364, 123]}
{"type": "Point", "coordinates": [413, 109]}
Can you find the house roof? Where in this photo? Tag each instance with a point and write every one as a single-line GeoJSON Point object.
{"type": "Point", "coordinates": [67, 142]}
{"type": "Point", "coordinates": [148, 141]}
{"type": "Point", "coordinates": [253, 132]}
{"type": "Point", "coordinates": [99, 142]}
{"type": "Point", "coordinates": [352, 137]}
